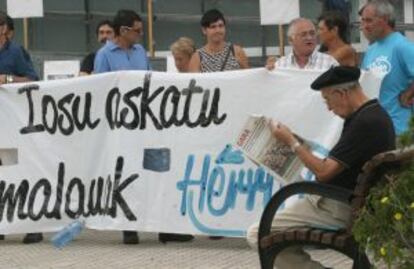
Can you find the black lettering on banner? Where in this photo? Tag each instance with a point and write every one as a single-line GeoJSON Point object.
{"type": "Point", "coordinates": [81, 198]}
{"type": "Point", "coordinates": [112, 116]}
{"type": "Point", "coordinates": [30, 128]}
{"type": "Point", "coordinates": [47, 191]}
{"type": "Point", "coordinates": [192, 88]}
{"type": "Point", "coordinates": [175, 99]}
{"type": "Point", "coordinates": [26, 201]}
{"type": "Point", "coordinates": [80, 125]}
{"type": "Point", "coordinates": [61, 105]}
{"type": "Point", "coordinates": [146, 100]}
{"type": "Point", "coordinates": [55, 214]}
{"type": "Point", "coordinates": [133, 124]}
{"type": "Point", "coordinates": [47, 99]}
{"type": "Point", "coordinates": [118, 188]}
{"type": "Point", "coordinates": [61, 115]}
{"type": "Point", "coordinates": [139, 107]}
{"type": "Point", "coordinates": [10, 198]}
{"type": "Point", "coordinates": [134, 109]}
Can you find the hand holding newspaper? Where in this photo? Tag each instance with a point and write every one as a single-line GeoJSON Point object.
{"type": "Point", "coordinates": [259, 145]}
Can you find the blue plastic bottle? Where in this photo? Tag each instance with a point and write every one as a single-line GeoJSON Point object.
{"type": "Point", "coordinates": [67, 234]}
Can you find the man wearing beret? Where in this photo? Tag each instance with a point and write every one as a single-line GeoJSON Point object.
{"type": "Point", "coordinates": [367, 131]}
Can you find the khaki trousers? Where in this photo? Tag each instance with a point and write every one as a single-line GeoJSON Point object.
{"type": "Point", "coordinates": [310, 211]}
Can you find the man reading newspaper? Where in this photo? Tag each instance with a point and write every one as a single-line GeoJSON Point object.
{"type": "Point", "coordinates": [367, 131]}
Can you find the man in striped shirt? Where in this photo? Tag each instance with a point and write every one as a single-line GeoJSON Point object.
{"type": "Point", "coordinates": [304, 55]}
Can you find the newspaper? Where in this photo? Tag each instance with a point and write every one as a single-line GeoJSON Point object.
{"type": "Point", "coordinates": [259, 145]}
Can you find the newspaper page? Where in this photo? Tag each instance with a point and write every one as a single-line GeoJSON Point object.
{"type": "Point", "coordinates": [259, 145]}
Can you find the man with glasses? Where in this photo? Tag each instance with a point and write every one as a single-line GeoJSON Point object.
{"type": "Point", "coordinates": [304, 55]}
{"type": "Point", "coordinates": [14, 67]}
{"type": "Point", "coordinates": [367, 131]}
{"type": "Point", "coordinates": [123, 52]}
{"type": "Point", "coordinates": [392, 54]}
{"type": "Point", "coordinates": [104, 32]}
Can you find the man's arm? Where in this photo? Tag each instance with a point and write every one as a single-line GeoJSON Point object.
{"type": "Point", "coordinates": [324, 169]}
{"type": "Point", "coordinates": [101, 64]}
{"type": "Point", "coordinates": [241, 57]}
{"type": "Point", "coordinates": [405, 54]}
{"type": "Point", "coordinates": [5, 79]}
{"type": "Point", "coordinates": [407, 97]}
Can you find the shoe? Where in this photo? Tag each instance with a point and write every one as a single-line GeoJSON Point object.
{"type": "Point", "coordinates": [216, 237]}
{"type": "Point", "coordinates": [31, 238]}
{"type": "Point", "coordinates": [131, 237]}
{"type": "Point", "coordinates": [1, 236]}
{"type": "Point", "coordinates": [167, 237]}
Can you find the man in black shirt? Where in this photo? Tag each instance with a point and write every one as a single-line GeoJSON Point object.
{"type": "Point", "coordinates": [367, 131]}
{"type": "Point", "coordinates": [104, 32]}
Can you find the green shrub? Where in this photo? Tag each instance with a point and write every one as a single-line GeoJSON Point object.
{"type": "Point", "coordinates": [385, 225]}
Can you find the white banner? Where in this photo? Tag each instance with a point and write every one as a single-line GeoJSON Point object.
{"type": "Point", "coordinates": [146, 151]}
{"type": "Point", "coordinates": [274, 12]}
{"type": "Point", "coordinates": [25, 8]}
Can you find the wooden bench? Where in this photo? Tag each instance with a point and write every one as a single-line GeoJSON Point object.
{"type": "Point", "coordinates": [375, 170]}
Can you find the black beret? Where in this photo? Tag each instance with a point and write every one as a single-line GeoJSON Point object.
{"type": "Point", "coordinates": [336, 75]}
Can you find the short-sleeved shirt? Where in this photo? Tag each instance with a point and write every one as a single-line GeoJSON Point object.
{"type": "Point", "coordinates": [393, 55]}
{"type": "Point", "coordinates": [87, 63]}
{"type": "Point", "coordinates": [317, 61]}
{"type": "Point", "coordinates": [113, 58]}
{"type": "Point", "coordinates": [367, 132]}
{"type": "Point", "coordinates": [13, 61]}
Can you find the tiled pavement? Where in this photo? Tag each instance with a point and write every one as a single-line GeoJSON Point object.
{"type": "Point", "coordinates": [103, 249]}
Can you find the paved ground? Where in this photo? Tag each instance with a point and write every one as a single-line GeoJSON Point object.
{"type": "Point", "coordinates": [103, 249]}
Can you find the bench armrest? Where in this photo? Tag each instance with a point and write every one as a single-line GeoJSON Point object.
{"type": "Point", "coordinates": [324, 190]}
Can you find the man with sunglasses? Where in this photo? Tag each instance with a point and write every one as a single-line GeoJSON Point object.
{"type": "Point", "coordinates": [123, 52]}
{"type": "Point", "coordinates": [367, 131]}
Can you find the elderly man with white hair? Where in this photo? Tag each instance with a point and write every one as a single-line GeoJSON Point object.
{"type": "Point", "coordinates": [367, 131]}
{"type": "Point", "coordinates": [391, 53]}
{"type": "Point", "coordinates": [304, 54]}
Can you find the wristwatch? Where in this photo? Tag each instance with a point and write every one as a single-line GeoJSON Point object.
{"type": "Point", "coordinates": [295, 146]}
{"type": "Point", "coordinates": [9, 79]}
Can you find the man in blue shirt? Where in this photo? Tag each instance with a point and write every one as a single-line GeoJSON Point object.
{"type": "Point", "coordinates": [14, 67]}
{"type": "Point", "coordinates": [123, 52]}
{"type": "Point", "coordinates": [393, 54]}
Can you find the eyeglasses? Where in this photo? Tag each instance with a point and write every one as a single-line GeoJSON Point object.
{"type": "Point", "coordinates": [138, 31]}
{"type": "Point", "coordinates": [303, 35]}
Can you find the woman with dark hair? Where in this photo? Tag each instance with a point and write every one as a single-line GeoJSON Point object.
{"type": "Point", "coordinates": [332, 29]}
{"type": "Point", "coordinates": [217, 54]}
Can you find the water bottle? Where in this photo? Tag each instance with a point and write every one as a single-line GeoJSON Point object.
{"type": "Point", "coordinates": [68, 233]}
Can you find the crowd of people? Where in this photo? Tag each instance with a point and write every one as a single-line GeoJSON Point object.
{"type": "Point", "coordinates": [373, 124]}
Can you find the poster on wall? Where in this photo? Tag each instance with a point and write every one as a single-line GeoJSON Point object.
{"type": "Point", "coordinates": [25, 8]}
{"type": "Point", "coordinates": [274, 12]}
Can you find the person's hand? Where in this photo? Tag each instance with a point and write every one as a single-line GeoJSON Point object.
{"type": "Point", "coordinates": [270, 63]}
{"type": "Point", "coordinates": [3, 79]}
{"type": "Point", "coordinates": [282, 133]}
{"type": "Point", "coordinates": [407, 98]}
